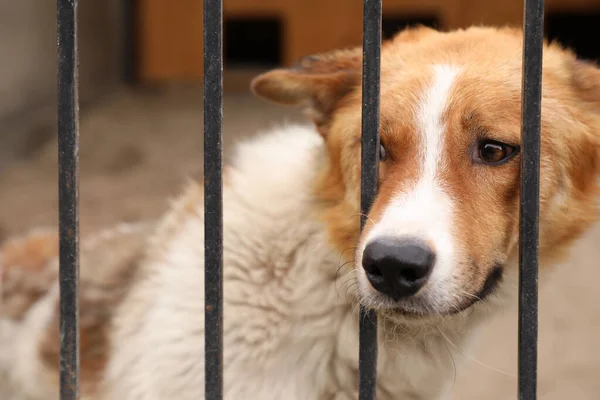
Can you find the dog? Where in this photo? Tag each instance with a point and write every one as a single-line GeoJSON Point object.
{"type": "Point", "coordinates": [437, 256]}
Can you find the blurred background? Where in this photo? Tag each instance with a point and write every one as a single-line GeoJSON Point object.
{"type": "Point", "coordinates": [141, 133]}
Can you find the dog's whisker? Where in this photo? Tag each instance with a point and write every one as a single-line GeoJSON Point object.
{"type": "Point", "coordinates": [350, 293]}
{"type": "Point", "coordinates": [360, 214]}
{"type": "Point", "coordinates": [453, 363]}
{"type": "Point", "coordinates": [345, 263]}
{"type": "Point", "coordinates": [341, 267]}
{"type": "Point", "coordinates": [345, 286]}
{"type": "Point", "coordinates": [482, 301]}
{"type": "Point", "coordinates": [473, 358]}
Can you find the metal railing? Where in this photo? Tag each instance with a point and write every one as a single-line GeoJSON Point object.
{"type": "Point", "coordinates": [213, 199]}
{"type": "Point", "coordinates": [369, 176]}
{"type": "Point", "coordinates": [68, 196]}
{"type": "Point", "coordinates": [68, 149]}
{"type": "Point", "coordinates": [530, 197]}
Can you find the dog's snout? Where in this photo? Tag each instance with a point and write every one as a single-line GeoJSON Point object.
{"type": "Point", "coordinates": [398, 267]}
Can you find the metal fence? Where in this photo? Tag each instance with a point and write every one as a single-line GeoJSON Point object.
{"type": "Point", "coordinates": [68, 155]}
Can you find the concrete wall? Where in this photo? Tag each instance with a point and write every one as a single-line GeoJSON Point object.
{"type": "Point", "coordinates": [28, 65]}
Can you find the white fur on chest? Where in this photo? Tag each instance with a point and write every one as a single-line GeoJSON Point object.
{"type": "Point", "coordinates": [288, 332]}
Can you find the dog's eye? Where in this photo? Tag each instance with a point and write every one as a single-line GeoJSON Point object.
{"type": "Point", "coordinates": [493, 152]}
{"type": "Point", "coordinates": [382, 153]}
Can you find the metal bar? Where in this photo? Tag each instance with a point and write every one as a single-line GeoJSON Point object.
{"type": "Point", "coordinates": [213, 198]}
{"type": "Point", "coordinates": [369, 179]}
{"type": "Point", "coordinates": [530, 189]}
{"type": "Point", "coordinates": [68, 196]}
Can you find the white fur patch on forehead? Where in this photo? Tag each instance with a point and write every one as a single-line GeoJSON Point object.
{"type": "Point", "coordinates": [425, 210]}
{"type": "Point", "coordinates": [425, 207]}
{"type": "Point", "coordinates": [429, 117]}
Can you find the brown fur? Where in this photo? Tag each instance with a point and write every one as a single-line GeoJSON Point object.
{"type": "Point", "coordinates": [108, 263]}
{"type": "Point", "coordinates": [486, 102]}
{"type": "Point", "coordinates": [25, 274]}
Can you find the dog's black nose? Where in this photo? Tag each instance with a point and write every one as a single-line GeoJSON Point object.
{"type": "Point", "coordinates": [398, 267]}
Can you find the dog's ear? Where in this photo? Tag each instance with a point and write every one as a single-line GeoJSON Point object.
{"type": "Point", "coordinates": [320, 81]}
{"type": "Point", "coordinates": [414, 34]}
{"type": "Point", "coordinates": [580, 153]}
{"type": "Point", "coordinates": [317, 82]}
{"type": "Point", "coordinates": [586, 80]}
{"type": "Point", "coordinates": [586, 83]}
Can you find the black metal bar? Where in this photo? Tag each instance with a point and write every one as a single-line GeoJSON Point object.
{"type": "Point", "coordinates": [369, 179]}
{"type": "Point", "coordinates": [530, 190]}
{"type": "Point", "coordinates": [68, 196]}
{"type": "Point", "coordinates": [213, 198]}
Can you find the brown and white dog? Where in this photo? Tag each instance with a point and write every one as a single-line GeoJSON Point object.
{"type": "Point", "coordinates": [437, 254]}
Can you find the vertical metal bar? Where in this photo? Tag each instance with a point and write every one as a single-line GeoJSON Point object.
{"type": "Point", "coordinates": [68, 196]}
{"type": "Point", "coordinates": [213, 198]}
{"type": "Point", "coordinates": [530, 184]}
{"type": "Point", "coordinates": [369, 179]}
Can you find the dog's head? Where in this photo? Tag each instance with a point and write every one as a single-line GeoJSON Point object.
{"type": "Point", "coordinates": [444, 225]}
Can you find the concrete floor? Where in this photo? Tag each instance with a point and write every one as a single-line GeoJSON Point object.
{"type": "Point", "coordinates": [138, 147]}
